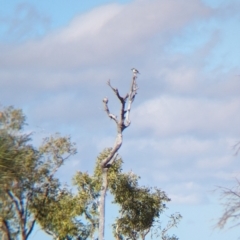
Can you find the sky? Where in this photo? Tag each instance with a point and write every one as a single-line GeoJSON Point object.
{"type": "Point", "coordinates": [56, 57]}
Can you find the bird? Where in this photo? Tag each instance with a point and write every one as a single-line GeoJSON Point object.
{"type": "Point", "coordinates": [135, 71]}
{"type": "Point", "coordinates": [105, 100]}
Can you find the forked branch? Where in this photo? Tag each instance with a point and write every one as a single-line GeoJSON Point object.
{"type": "Point", "coordinates": [122, 122]}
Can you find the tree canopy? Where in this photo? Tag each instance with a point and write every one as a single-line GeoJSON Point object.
{"type": "Point", "coordinates": [29, 190]}
{"type": "Point", "coordinates": [31, 193]}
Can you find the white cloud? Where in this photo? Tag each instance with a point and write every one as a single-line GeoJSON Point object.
{"type": "Point", "coordinates": [184, 118]}
{"type": "Point", "coordinates": [171, 115]}
{"type": "Point", "coordinates": [175, 147]}
{"type": "Point", "coordinates": [186, 199]}
{"type": "Point", "coordinates": [104, 33]}
{"type": "Point", "coordinates": [187, 193]}
{"type": "Point", "coordinates": [187, 167]}
{"type": "Point", "coordinates": [215, 163]}
{"type": "Point", "coordinates": [224, 175]}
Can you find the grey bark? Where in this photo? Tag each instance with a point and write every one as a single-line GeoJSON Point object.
{"type": "Point", "coordinates": [5, 231]}
{"type": "Point", "coordinates": [122, 122]}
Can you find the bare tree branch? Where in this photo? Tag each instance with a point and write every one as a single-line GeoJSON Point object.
{"type": "Point", "coordinates": [236, 148]}
{"type": "Point", "coordinates": [5, 229]}
{"type": "Point", "coordinates": [122, 122]}
{"type": "Point", "coordinates": [19, 210]}
{"type": "Point", "coordinates": [15, 201]}
{"type": "Point", "coordinates": [117, 145]}
{"type": "Point", "coordinates": [31, 226]}
{"type": "Point", "coordinates": [122, 100]}
{"type": "Point", "coordinates": [231, 203]}
{"type": "Point", "coordinates": [132, 94]}
{"type": "Point", "coordinates": [112, 116]}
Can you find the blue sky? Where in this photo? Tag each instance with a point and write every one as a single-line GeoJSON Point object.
{"type": "Point", "coordinates": [56, 57]}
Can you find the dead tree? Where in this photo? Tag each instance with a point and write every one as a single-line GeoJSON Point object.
{"type": "Point", "coordinates": [122, 122]}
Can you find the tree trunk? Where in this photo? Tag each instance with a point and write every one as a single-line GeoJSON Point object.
{"type": "Point", "coordinates": [122, 123]}
{"type": "Point", "coordinates": [102, 204]}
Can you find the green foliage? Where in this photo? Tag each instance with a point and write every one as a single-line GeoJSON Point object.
{"type": "Point", "coordinates": [113, 171]}
{"type": "Point", "coordinates": [139, 206]}
{"type": "Point", "coordinates": [13, 146]}
{"type": "Point", "coordinates": [87, 196]}
{"type": "Point", "coordinates": [59, 216]}
{"type": "Point", "coordinates": [12, 119]}
{"type": "Point", "coordinates": [17, 160]}
{"type": "Point", "coordinates": [173, 221]}
{"type": "Point", "coordinates": [29, 191]}
{"type": "Point", "coordinates": [89, 189]}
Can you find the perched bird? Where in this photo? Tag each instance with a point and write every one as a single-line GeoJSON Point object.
{"type": "Point", "coordinates": [105, 100]}
{"type": "Point", "coordinates": [135, 71]}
